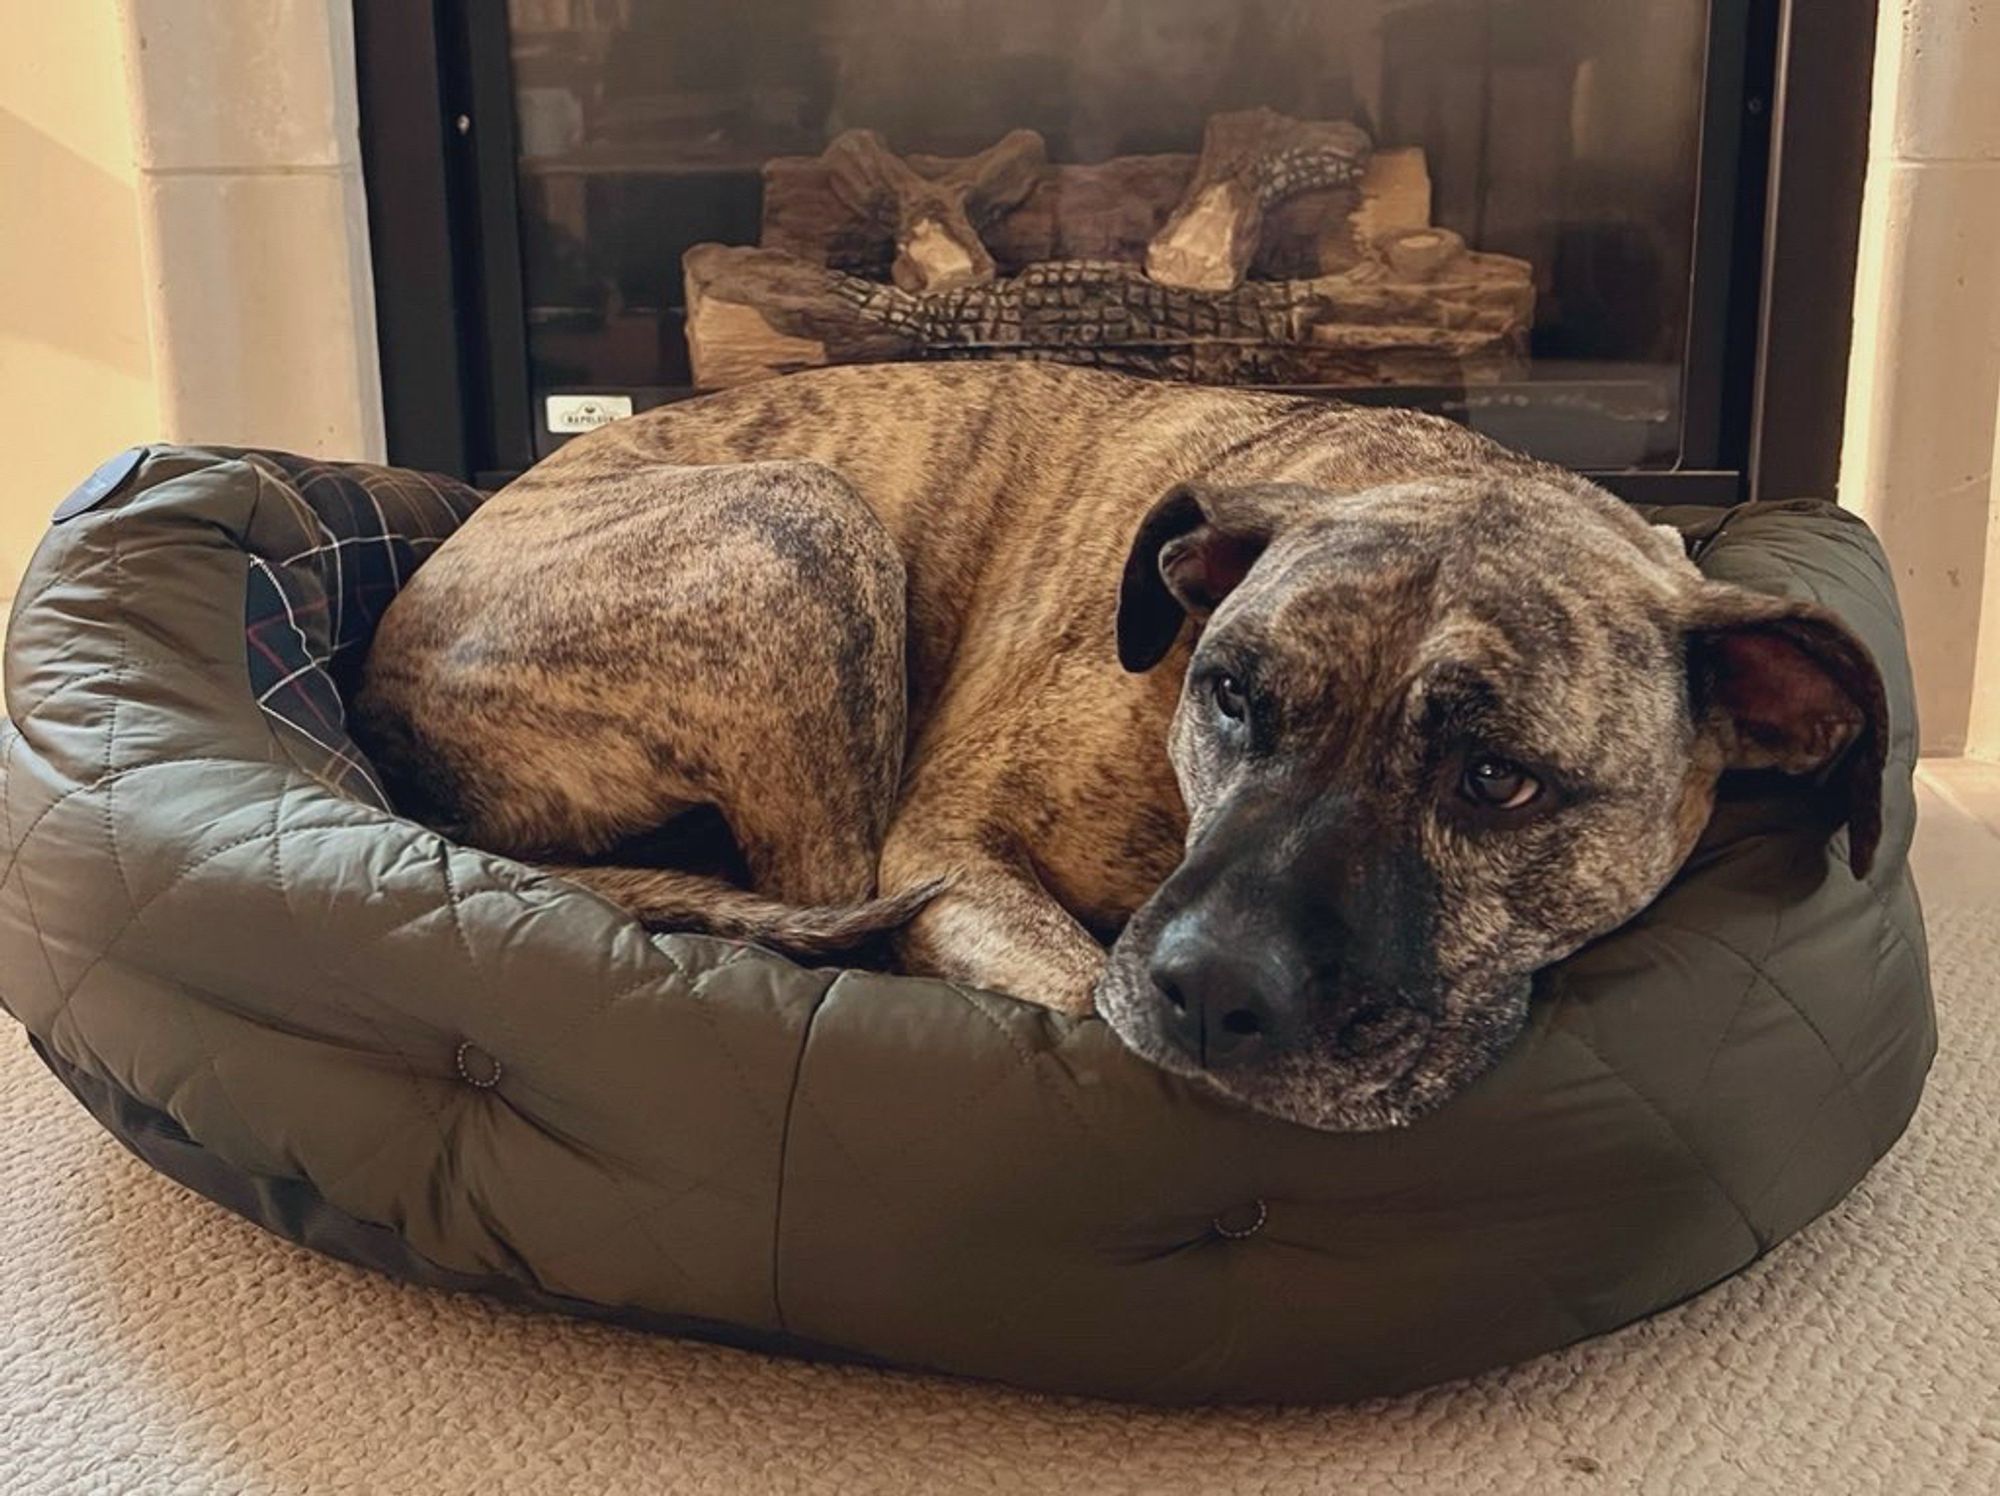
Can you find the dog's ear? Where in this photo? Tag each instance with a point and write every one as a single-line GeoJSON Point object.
{"type": "Point", "coordinates": [1194, 545]}
{"type": "Point", "coordinates": [1791, 688]}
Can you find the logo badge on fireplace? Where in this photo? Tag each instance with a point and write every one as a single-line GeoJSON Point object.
{"type": "Point", "coordinates": [569, 414]}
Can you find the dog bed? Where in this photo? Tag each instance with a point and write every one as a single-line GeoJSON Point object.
{"type": "Point", "coordinates": [449, 1067]}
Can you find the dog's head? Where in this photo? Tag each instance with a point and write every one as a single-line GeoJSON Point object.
{"type": "Point", "coordinates": [1432, 738]}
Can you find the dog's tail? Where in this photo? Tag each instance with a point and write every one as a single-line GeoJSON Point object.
{"type": "Point", "coordinates": [664, 899]}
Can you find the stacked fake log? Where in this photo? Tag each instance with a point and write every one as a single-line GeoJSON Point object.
{"type": "Point", "coordinates": [1288, 252]}
{"type": "Point", "coordinates": [935, 218]}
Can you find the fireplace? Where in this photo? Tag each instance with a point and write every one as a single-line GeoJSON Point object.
{"type": "Point", "coordinates": [1554, 220]}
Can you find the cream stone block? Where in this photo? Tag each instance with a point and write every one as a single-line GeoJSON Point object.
{"type": "Point", "coordinates": [1982, 737]}
{"type": "Point", "coordinates": [242, 84]}
{"type": "Point", "coordinates": [1945, 56]}
{"type": "Point", "coordinates": [1919, 459]}
{"type": "Point", "coordinates": [1938, 550]}
{"type": "Point", "coordinates": [1928, 343]}
{"type": "Point", "coordinates": [260, 287]}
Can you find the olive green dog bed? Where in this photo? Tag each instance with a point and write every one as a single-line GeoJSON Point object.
{"type": "Point", "coordinates": [447, 1066]}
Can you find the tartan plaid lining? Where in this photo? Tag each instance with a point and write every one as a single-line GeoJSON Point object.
{"type": "Point", "coordinates": [330, 558]}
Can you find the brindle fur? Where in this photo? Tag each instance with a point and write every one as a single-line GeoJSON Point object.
{"type": "Point", "coordinates": [874, 617]}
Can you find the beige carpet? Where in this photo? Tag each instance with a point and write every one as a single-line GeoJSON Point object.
{"type": "Point", "coordinates": [149, 1342]}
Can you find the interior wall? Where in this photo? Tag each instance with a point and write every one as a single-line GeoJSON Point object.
{"type": "Point", "coordinates": [76, 375]}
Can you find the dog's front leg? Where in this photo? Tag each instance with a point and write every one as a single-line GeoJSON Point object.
{"type": "Point", "coordinates": [993, 926]}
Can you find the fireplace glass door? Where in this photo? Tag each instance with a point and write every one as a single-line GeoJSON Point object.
{"type": "Point", "coordinates": [1483, 207]}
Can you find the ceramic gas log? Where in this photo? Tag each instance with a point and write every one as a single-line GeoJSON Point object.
{"type": "Point", "coordinates": [935, 218]}
{"type": "Point", "coordinates": [1250, 162]}
{"type": "Point", "coordinates": [1288, 252]}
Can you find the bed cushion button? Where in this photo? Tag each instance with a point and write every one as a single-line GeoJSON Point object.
{"type": "Point", "coordinates": [1240, 1221]}
{"type": "Point", "coordinates": [476, 1067]}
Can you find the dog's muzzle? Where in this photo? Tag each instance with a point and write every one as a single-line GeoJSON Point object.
{"type": "Point", "coordinates": [1227, 1001]}
{"type": "Point", "coordinates": [1234, 999]}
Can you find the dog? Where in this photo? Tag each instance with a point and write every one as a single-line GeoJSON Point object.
{"type": "Point", "coordinates": [1334, 723]}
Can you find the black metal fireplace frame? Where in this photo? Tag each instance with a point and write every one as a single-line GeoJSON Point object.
{"type": "Point", "coordinates": [1777, 230]}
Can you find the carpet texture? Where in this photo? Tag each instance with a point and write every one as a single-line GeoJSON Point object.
{"type": "Point", "coordinates": [150, 1342]}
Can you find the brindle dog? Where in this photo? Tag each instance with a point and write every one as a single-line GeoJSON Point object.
{"type": "Point", "coordinates": [1348, 719]}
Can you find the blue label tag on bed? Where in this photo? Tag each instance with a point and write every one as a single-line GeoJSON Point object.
{"type": "Point", "coordinates": [100, 485]}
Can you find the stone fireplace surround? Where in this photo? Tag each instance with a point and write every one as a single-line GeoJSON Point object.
{"type": "Point", "coordinates": [253, 223]}
{"type": "Point", "coordinates": [260, 303]}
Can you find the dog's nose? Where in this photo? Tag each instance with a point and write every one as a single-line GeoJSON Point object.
{"type": "Point", "coordinates": [1226, 1002]}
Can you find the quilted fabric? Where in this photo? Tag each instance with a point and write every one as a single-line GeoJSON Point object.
{"type": "Point", "coordinates": [446, 1065]}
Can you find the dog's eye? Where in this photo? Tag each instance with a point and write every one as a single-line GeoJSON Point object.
{"type": "Point", "coordinates": [1230, 699]}
{"type": "Point", "coordinates": [1499, 784]}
